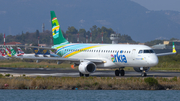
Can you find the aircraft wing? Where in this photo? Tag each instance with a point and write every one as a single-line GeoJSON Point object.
{"type": "Point", "coordinates": [61, 59]}
{"type": "Point", "coordinates": [169, 53]}
{"type": "Point", "coordinates": [164, 54]}
{"type": "Point", "coordinates": [48, 48]}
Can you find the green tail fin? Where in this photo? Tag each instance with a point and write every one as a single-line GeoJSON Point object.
{"type": "Point", "coordinates": [58, 37]}
{"type": "Point", "coordinates": [13, 52]}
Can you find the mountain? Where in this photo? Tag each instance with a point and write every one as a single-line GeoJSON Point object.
{"type": "Point", "coordinates": [123, 16]}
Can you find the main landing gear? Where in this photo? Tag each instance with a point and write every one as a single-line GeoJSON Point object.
{"type": "Point", "coordinates": [81, 74]}
{"type": "Point", "coordinates": [120, 71]}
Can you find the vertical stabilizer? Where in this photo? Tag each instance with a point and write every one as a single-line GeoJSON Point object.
{"type": "Point", "coordinates": [20, 52]}
{"type": "Point", "coordinates": [2, 54]}
{"type": "Point", "coordinates": [58, 37]}
{"type": "Point", "coordinates": [13, 52]}
{"type": "Point", "coordinates": [7, 51]}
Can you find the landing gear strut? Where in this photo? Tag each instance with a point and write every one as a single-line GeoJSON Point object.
{"type": "Point", "coordinates": [120, 71]}
{"type": "Point", "coordinates": [143, 74]}
{"type": "Point", "coordinates": [81, 74]}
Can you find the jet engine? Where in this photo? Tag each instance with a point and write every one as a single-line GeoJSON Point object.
{"type": "Point", "coordinates": [87, 67]}
{"type": "Point", "coordinates": [140, 69]}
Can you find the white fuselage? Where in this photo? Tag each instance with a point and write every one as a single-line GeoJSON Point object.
{"type": "Point", "coordinates": [114, 55]}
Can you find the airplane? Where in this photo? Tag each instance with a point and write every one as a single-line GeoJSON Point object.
{"type": "Point", "coordinates": [89, 56]}
{"type": "Point", "coordinates": [21, 53]}
{"type": "Point", "coordinates": [43, 53]}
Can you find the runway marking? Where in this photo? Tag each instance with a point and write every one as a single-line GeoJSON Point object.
{"type": "Point", "coordinates": [5, 70]}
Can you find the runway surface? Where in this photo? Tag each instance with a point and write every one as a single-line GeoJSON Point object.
{"type": "Point", "coordinates": [75, 73]}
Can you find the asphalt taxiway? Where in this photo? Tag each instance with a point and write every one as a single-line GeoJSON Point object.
{"type": "Point", "coordinates": [75, 73]}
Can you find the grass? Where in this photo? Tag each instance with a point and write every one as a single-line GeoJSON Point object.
{"type": "Point", "coordinates": [23, 64]}
{"type": "Point", "coordinates": [90, 83]}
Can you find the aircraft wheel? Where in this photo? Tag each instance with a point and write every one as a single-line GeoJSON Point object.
{"type": "Point", "coordinates": [116, 72]}
{"type": "Point", "coordinates": [145, 74]}
{"type": "Point", "coordinates": [81, 74]}
{"type": "Point", "coordinates": [86, 75]}
{"type": "Point", "coordinates": [122, 73]}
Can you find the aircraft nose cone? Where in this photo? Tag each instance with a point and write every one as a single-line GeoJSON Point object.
{"type": "Point", "coordinates": [153, 60]}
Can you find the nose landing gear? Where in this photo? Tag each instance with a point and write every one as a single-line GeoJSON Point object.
{"type": "Point", "coordinates": [143, 74]}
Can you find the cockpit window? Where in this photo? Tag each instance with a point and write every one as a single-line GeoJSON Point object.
{"type": "Point", "coordinates": [140, 51]}
{"type": "Point", "coordinates": [145, 51]}
{"type": "Point", "coordinates": [148, 51]}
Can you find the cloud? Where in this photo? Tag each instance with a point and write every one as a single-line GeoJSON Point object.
{"type": "Point", "coordinates": [161, 38]}
{"type": "Point", "coordinates": [82, 21]}
{"type": "Point", "coordinates": [103, 22]}
{"type": "Point", "coordinates": [2, 12]}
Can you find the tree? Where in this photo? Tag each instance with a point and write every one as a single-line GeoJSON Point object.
{"type": "Point", "coordinates": [82, 32]}
{"type": "Point", "coordinates": [72, 30]}
{"type": "Point", "coordinates": [37, 33]}
{"type": "Point", "coordinates": [173, 39]}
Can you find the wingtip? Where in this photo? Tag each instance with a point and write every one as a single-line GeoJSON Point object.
{"type": "Point", "coordinates": [174, 50]}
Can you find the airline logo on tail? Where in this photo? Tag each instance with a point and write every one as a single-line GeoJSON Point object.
{"type": "Point", "coordinates": [20, 51]}
{"type": "Point", "coordinates": [2, 54]}
{"type": "Point", "coordinates": [55, 28]}
{"type": "Point", "coordinates": [40, 52]}
{"type": "Point", "coordinates": [7, 51]}
{"type": "Point", "coordinates": [13, 52]}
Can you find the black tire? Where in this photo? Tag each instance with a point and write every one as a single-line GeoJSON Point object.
{"type": "Point", "coordinates": [81, 74]}
{"type": "Point", "coordinates": [86, 75]}
{"type": "Point", "coordinates": [145, 74]}
{"type": "Point", "coordinates": [122, 73]}
{"type": "Point", "coordinates": [116, 72]}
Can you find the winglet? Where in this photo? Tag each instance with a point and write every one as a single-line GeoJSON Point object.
{"type": "Point", "coordinates": [174, 50]}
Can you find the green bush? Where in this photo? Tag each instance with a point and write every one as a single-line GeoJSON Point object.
{"type": "Point", "coordinates": [1, 75]}
{"type": "Point", "coordinates": [174, 78]}
{"type": "Point", "coordinates": [7, 75]}
{"type": "Point", "coordinates": [151, 81]}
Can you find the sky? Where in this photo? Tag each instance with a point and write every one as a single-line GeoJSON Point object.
{"type": "Point", "coordinates": [160, 4]}
{"type": "Point", "coordinates": [29, 15]}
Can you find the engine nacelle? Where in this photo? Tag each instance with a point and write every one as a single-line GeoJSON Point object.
{"type": "Point", "coordinates": [140, 69]}
{"type": "Point", "coordinates": [87, 67]}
